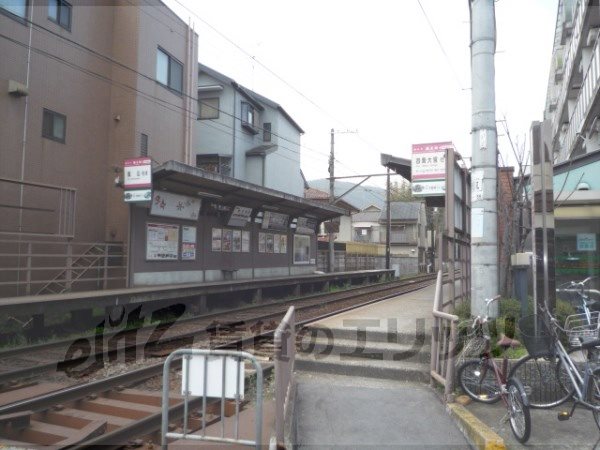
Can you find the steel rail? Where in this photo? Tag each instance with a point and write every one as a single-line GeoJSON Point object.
{"type": "Point", "coordinates": [121, 436]}
{"type": "Point", "coordinates": [44, 367]}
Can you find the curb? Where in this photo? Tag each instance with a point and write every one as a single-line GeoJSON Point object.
{"type": "Point", "coordinates": [478, 433]}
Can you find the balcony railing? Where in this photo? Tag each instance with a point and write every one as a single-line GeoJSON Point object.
{"type": "Point", "coordinates": [578, 20]}
{"type": "Point", "coordinates": [586, 96]}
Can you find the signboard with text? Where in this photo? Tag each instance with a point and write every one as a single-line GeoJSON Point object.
{"type": "Point", "coordinates": [177, 206]}
{"type": "Point", "coordinates": [428, 168]}
{"type": "Point", "coordinates": [137, 173]}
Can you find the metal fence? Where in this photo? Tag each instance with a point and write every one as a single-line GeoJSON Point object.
{"type": "Point", "coordinates": [218, 379]}
{"type": "Point", "coordinates": [345, 262]}
{"type": "Point", "coordinates": [285, 355]}
{"type": "Point", "coordinates": [43, 266]}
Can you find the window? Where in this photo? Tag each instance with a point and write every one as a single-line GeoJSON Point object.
{"type": "Point", "coordinates": [301, 249]}
{"type": "Point", "coordinates": [59, 11]}
{"type": "Point", "coordinates": [16, 8]}
{"type": "Point", "coordinates": [214, 163]}
{"type": "Point", "coordinates": [209, 108]}
{"type": "Point", "coordinates": [143, 144]}
{"type": "Point", "coordinates": [169, 71]}
{"type": "Point", "coordinates": [54, 126]}
{"type": "Point", "coordinates": [267, 132]}
{"type": "Point", "coordinates": [248, 117]}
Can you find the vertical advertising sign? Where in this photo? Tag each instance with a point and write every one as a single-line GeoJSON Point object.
{"type": "Point", "coordinates": [428, 168]}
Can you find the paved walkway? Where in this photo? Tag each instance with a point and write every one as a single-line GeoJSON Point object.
{"type": "Point", "coordinates": [340, 412]}
{"type": "Point", "coordinates": [361, 412]}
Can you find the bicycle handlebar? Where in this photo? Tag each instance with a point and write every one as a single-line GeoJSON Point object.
{"type": "Point", "coordinates": [488, 302]}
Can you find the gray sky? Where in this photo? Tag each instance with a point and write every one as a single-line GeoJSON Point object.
{"type": "Point", "coordinates": [376, 67]}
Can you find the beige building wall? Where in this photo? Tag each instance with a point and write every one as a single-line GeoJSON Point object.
{"type": "Point", "coordinates": [109, 97]}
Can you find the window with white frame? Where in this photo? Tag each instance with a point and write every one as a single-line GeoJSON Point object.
{"type": "Point", "coordinates": [59, 11]}
{"type": "Point", "coordinates": [169, 71]}
{"type": "Point", "coordinates": [209, 108]}
{"type": "Point", "coordinates": [16, 8]}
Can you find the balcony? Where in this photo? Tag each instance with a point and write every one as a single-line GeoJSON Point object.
{"type": "Point", "coordinates": [572, 49]}
{"type": "Point", "coordinates": [587, 94]}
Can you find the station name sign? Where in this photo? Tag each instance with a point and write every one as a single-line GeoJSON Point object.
{"type": "Point", "coordinates": [137, 180]}
{"type": "Point", "coordinates": [428, 168]}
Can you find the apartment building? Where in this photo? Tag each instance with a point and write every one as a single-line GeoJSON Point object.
{"type": "Point", "coordinates": [244, 135]}
{"type": "Point", "coordinates": [572, 132]}
{"type": "Point", "coordinates": [85, 86]}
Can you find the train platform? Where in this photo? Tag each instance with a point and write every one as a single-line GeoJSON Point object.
{"type": "Point", "coordinates": [356, 388]}
{"type": "Point", "coordinates": [367, 387]}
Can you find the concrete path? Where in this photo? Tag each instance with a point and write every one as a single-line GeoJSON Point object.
{"type": "Point", "coordinates": [547, 431]}
{"type": "Point", "coordinates": [337, 412]}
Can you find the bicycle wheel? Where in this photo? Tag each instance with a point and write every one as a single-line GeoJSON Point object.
{"type": "Point", "coordinates": [518, 410]}
{"type": "Point", "coordinates": [478, 380]}
{"type": "Point", "coordinates": [593, 391]}
{"type": "Point", "coordinates": [579, 359]}
{"type": "Point", "coordinates": [540, 376]}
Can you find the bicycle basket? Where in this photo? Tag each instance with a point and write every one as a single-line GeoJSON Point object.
{"type": "Point", "coordinates": [536, 336]}
{"type": "Point", "coordinates": [582, 328]}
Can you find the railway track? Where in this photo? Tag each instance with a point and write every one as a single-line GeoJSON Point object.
{"type": "Point", "coordinates": [115, 411]}
{"type": "Point", "coordinates": [84, 355]}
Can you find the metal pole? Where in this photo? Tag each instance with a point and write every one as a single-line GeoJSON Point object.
{"type": "Point", "coordinates": [388, 229]}
{"type": "Point", "coordinates": [484, 217]}
{"type": "Point", "coordinates": [331, 200]}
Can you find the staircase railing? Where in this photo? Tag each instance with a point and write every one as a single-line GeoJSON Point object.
{"type": "Point", "coordinates": [285, 355]}
{"type": "Point", "coordinates": [52, 267]}
{"type": "Point", "coordinates": [443, 343]}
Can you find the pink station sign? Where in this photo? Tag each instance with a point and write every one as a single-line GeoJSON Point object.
{"type": "Point", "coordinates": [137, 173]}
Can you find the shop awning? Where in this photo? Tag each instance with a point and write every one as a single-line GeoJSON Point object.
{"type": "Point", "coordinates": [180, 178]}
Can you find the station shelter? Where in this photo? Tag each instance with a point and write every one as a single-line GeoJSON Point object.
{"type": "Point", "coordinates": [200, 226]}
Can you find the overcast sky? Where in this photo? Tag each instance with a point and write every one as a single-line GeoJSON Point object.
{"type": "Point", "coordinates": [376, 67]}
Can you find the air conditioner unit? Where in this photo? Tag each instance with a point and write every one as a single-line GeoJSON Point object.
{"type": "Point", "coordinates": [17, 89]}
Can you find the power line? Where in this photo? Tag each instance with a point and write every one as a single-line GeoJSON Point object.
{"type": "Point", "coordinates": [457, 79]}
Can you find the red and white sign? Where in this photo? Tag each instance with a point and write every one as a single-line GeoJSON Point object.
{"type": "Point", "coordinates": [429, 168]}
{"type": "Point", "coordinates": [137, 173]}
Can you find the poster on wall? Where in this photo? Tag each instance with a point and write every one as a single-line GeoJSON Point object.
{"type": "Point", "coordinates": [227, 240]}
{"type": "Point", "coordinates": [188, 243]}
{"type": "Point", "coordinates": [245, 241]}
{"type": "Point", "coordinates": [162, 242]}
{"type": "Point", "coordinates": [216, 239]}
{"type": "Point", "coordinates": [166, 204]}
{"type": "Point", "coordinates": [283, 243]}
{"type": "Point", "coordinates": [237, 240]}
{"type": "Point", "coordinates": [586, 242]}
{"type": "Point", "coordinates": [276, 243]}
{"type": "Point", "coordinates": [269, 242]}
{"type": "Point", "coordinates": [262, 242]}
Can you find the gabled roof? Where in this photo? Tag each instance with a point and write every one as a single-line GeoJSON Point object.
{"type": "Point", "coordinates": [256, 99]}
{"type": "Point", "coordinates": [366, 216]}
{"type": "Point", "coordinates": [322, 196]}
{"type": "Point", "coordinates": [408, 211]}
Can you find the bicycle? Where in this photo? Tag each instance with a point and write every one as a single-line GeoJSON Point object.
{"type": "Point", "coordinates": [483, 381]}
{"type": "Point", "coordinates": [543, 374]}
{"type": "Point", "coordinates": [582, 384]}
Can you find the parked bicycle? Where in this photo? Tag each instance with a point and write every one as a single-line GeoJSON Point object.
{"type": "Point", "coordinates": [576, 378]}
{"type": "Point", "coordinates": [484, 381]}
{"type": "Point", "coordinates": [541, 372]}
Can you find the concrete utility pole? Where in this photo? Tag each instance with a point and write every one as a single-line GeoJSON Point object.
{"type": "Point", "coordinates": [484, 213]}
{"type": "Point", "coordinates": [331, 200]}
